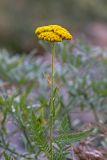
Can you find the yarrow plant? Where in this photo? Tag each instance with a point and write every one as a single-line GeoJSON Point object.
{"type": "Point", "coordinates": [52, 33]}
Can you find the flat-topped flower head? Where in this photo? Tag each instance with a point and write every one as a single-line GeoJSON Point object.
{"type": "Point", "coordinates": [53, 33]}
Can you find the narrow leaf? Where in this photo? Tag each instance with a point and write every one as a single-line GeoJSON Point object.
{"type": "Point", "coordinates": [70, 138]}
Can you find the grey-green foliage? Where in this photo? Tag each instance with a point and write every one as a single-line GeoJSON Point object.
{"type": "Point", "coordinates": [20, 69]}
{"type": "Point", "coordinates": [85, 77]}
{"type": "Point", "coordinates": [35, 132]}
{"type": "Point", "coordinates": [26, 121]}
{"type": "Point", "coordinates": [81, 88]}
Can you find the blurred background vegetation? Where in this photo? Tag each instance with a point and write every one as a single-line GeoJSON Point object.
{"type": "Point", "coordinates": [18, 19]}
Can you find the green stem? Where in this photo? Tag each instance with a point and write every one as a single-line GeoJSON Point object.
{"type": "Point", "coordinates": [52, 102]}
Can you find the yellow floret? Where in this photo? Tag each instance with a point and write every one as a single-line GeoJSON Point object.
{"type": "Point", "coordinates": [53, 33]}
{"type": "Point", "coordinates": [49, 36]}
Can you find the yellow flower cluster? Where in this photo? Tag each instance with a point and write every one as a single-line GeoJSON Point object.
{"type": "Point", "coordinates": [53, 33]}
